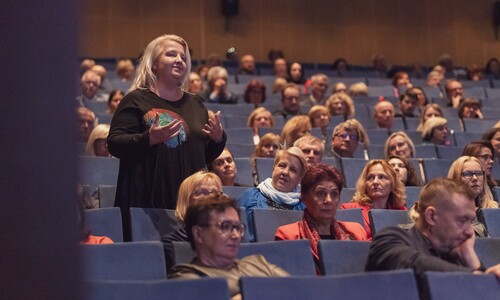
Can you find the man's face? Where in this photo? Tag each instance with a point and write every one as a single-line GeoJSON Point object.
{"type": "Point", "coordinates": [90, 84]}
{"type": "Point", "coordinates": [384, 114]}
{"type": "Point", "coordinates": [453, 223]}
{"type": "Point", "coordinates": [312, 153]}
{"type": "Point", "coordinates": [296, 71]}
{"type": "Point", "coordinates": [408, 105]}
{"type": "Point", "coordinates": [345, 142]}
{"type": "Point", "coordinates": [319, 87]}
{"type": "Point", "coordinates": [248, 63]}
{"type": "Point", "coordinates": [291, 100]}
{"type": "Point", "coordinates": [86, 125]}
{"type": "Point", "coordinates": [220, 248]}
{"type": "Point", "coordinates": [454, 89]}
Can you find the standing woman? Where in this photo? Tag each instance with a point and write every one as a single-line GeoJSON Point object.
{"type": "Point", "coordinates": [160, 133]}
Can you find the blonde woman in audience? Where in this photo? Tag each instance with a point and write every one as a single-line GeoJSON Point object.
{"type": "Point", "coordinates": [341, 104]}
{"type": "Point", "coordinates": [294, 129]}
{"type": "Point", "coordinates": [260, 118]}
{"type": "Point", "coordinates": [319, 117]}
{"type": "Point", "coordinates": [198, 186]}
{"type": "Point", "coordinates": [281, 191]}
{"type": "Point", "coordinates": [358, 89]}
{"type": "Point", "coordinates": [339, 87]}
{"type": "Point", "coordinates": [400, 144]}
{"type": "Point", "coordinates": [279, 85]}
{"type": "Point", "coordinates": [435, 131]}
{"type": "Point", "coordinates": [429, 111]}
{"type": "Point", "coordinates": [378, 187]}
{"type": "Point", "coordinates": [268, 146]}
{"type": "Point", "coordinates": [97, 144]}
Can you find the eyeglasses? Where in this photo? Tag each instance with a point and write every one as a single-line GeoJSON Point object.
{"type": "Point", "coordinates": [205, 193]}
{"type": "Point", "coordinates": [227, 227]}
{"type": "Point", "coordinates": [352, 137]}
{"type": "Point", "coordinates": [468, 174]}
{"type": "Point", "coordinates": [485, 157]}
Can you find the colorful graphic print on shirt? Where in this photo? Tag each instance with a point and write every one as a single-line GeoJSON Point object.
{"type": "Point", "coordinates": [165, 117]}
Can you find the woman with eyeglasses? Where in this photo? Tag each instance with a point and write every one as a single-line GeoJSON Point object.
{"type": "Point", "coordinates": [281, 191]}
{"type": "Point", "coordinates": [470, 171]}
{"type": "Point", "coordinates": [320, 192]}
{"type": "Point", "coordinates": [378, 187]}
{"type": "Point", "coordinates": [198, 186]}
{"type": "Point", "coordinates": [483, 150]}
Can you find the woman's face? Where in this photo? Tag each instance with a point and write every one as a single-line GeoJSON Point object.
{"type": "Point", "coordinates": [398, 146]}
{"type": "Point", "coordinates": [203, 190]}
{"type": "Point", "coordinates": [321, 119]}
{"type": "Point", "coordinates": [322, 201]}
{"type": "Point", "coordinates": [171, 64]}
{"type": "Point", "coordinates": [195, 84]}
{"type": "Point", "coordinates": [431, 112]}
{"type": "Point", "coordinates": [286, 174]}
{"type": "Point", "coordinates": [113, 103]}
{"type": "Point", "coordinates": [403, 80]}
{"type": "Point", "coordinates": [296, 71]}
{"type": "Point", "coordinates": [420, 96]}
{"type": "Point", "coordinates": [470, 112]}
{"type": "Point", "coordinates": [224, 167]}
{"type": "Point", "coordinates": [400, 169]}
{"type": "Point", "coordinates": [262, 119]}
{"type": "Point", "coordinates": [340, 88]}
{"type": "Point", "coordinates": [486, 158]}
{"type": "Point", "coordinates": [474, 182]}
{"type": "Point", "coordinates": [256, 96]}
{"type": "Point", "coordinates": [101, 148]}
{"type": "Point", "coordinates": [338, 107]}
{"type": "Point", "coordinates": [378, 184]}
{"type": "Point", "coordinates": [269, 149]}
{"type": "Point", "coordinates": [440, 135]}
{"type": "Point", "coordinates": [495, 141]}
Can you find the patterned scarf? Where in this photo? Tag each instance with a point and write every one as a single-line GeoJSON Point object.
{"type": "Point", "coordinates": [291, 198]}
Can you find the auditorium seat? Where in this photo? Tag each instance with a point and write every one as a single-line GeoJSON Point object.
{"type": "Point", "coordinates": [488, 250]}
{"type": "Point", "coordinates": [96, 170]}
{"type": "Point", "coordinates": [346, 195]}
{"type": "Point", "coordinates": [462, 286]}
{"type": "Point", "coordinates": [150, 224]}
{"type": "Point", "coordinates": [107, 195]}
{"type": "Point", "coordinates": [244, 174]}
{"type": "Point", "coordinates": [381, 218]}
{"type": "Point", "coordinates": [352, 168]}
{"type": "Point", "coordinates": [105, 222]}
{"type": "Point", "coordinates": [350, 215]}
{"type": "Point", "coordinates": [266, 221]}
{"type": "Point", "coordinates": [436, 168]}
{"type": "Point", "coordinates": [412, 193]}
{"type": "Point", "coordinates": [491, 219]}
{"type": "Point", "coordinates": [342, 257]}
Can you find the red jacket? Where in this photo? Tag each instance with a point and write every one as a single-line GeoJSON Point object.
{"type": "Point", "coordinates": [291, 231]}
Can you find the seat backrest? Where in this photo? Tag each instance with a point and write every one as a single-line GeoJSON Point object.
{"type": "Point", "coordinates": [233, 191]}
{"type": "Point", "coordinates": [425, 151]}
{"type": "Point", "coordinates": [449, 152]}
{"type": "Point", "coordinates": [352, 168]}
{"type": "Point", "coordinates": [488, 251]}
{"type": "Point", "coordinates": [343, 257]}
{"type": "Point", "coordinates": [350, 215]}
{"type": "Point", "coordinates": [96, 170]}
{"type": "Point", "coordinates": [400, 284]}
{"type": "Point", "coordinates": [347, 195]}
{"type": "Point", "coordinates": [463, 138]}
{"type": "Point", "coordinates": [461, 286]}
{"type": "Point", "coordinates": [376, 151]}
{"type": "Point", "coordinates": [124, 261]}
{"type": "Point", "coordinates": [200, 289]}
{"type": "Point", "coordinates": [412, 194]}
{"type": "Point", "coordinates": [106, 222]}
{"type": "Point", "coordinates": [436, 168]}
{"type": "Point", "coordinates": [381, 218]}
{"type": "Point", "coordinates": [241, 150]}
{"type": "Point", "coordinates": [107, 195]}
{"type": "Point", "coordinates": [244, 174]}
{"type": "Point", "coordinates": [266, 221]}
{"type": "Point", "coordinates": [478, 125]}
{"type": "Point", "coordinates": [239, 135]}
{"type": "Point", "coordinates": [264, 167]}
{"type": "Point", "coordinates": [491, 219]}
{"type": "Point", "coordinates": [150, 224]}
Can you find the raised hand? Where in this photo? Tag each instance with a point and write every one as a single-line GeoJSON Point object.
{"type": "Point", "coordinates": [159, 134]}
{"type": "Point", "coordinates": [214, 128]}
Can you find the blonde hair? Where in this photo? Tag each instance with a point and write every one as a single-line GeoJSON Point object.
{"type": "Point", "coordinates": [292, 127]}
{"type": "Point", "coordinates": [316, 109]}
{"type": "Point", "coordinates": [397, 196]}
{"type": "Point", "coordinates": [429, 125]}
{"type": "Point", "coordinates": [485, 199]}
{"type": "Point", "coordinates": [188, 186]}
{"type": "Point", "coordinates": [295, 152]}
{"type": "Point", "coordinates": [407, 140]}
{"type": "Point", "coordinates": [255, 112]}
{"type": "Point", "coordinates": [310, 140]}
{"type": "Point", "coordinates": [123, 66]}
{"type": "Point", "coordinates": [434, 106]}
{"type": "Point", "coordinates": [358, 89]}
{"type": "Point", "coordinates": [346, 99]}
{"type": "Point", "coordinates": [145, 77]}
{"type": "Point", "coordinates": [100, 131]}
{"type": "Point", "coordinates": [356, 125]}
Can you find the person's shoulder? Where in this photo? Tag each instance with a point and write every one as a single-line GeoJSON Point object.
{"type": "Point", "coordinates": [288, 231]}
{"type": "Point", "coordinates": [179, 235]}
{"type": "Point", "coordinates": [185, 271]}
{"type": "Point", "coordinates": [97, 240]}
{"type": "Point", "coordinates": [356, 229]}
{"type": "Point", "coordinates": [350, 205]}
{"type": "Point", "coordinates": [395, 232]}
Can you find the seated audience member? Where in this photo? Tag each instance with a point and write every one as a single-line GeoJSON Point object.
{"type": "Point", "coordinates": [440, 70]}
{"type": "Point", "coordinates": [493, 136]}
{"type": "Point", "coordinates": [296, 74]}
{"type": "Point", "coordinates": [430, 110]}
{"type": "Point", "coordinates": [321, 187]}
{"type": "Point", "coordinates": [341, 104]}
{"type": "Point", "coordinates": [404, 169]}
{"type": "Point", "coordinates": [194, 84]}
{"type": "Point", "coordinates": [280, 68]}
{"type": "Point", "coordinates": [435, 131]}
{"type": "Point", "coordinates": [290, 103]}
{"type": "Point", "coordinates": [89, 84]}
{"type": "Point", "coordinates": [320, 118]}
{"type": "Point", "coordinates": [407, 104]}
{"type": "Point", "coordinates": [438, 241]}
{"type": "Point", "coordinates": [217, 87]}
{"type": "Point", "coordinates": [358, 89]}
{"type": "Point", "coordinates": [225, 167]}
{"type": "Point", "coordinates": [312, 147]}
{"type": "Point", "coordinates": [378, 187]}
{"type": "Point", "coordinates": [454, 92]}
{"type": "Point", "coordinates": [279, 85]}
{"type": "Point", "coordinates": [384, 114]}
{"type": "Point", "coordinates": [474, 73]}
{"type": "Point", "coordinates": [421, 96]}
{"type": "Point", "coordinates": [434, 79]}
{"type": "Point", "coordinates": [400, 144]}
{"type": "Point", "coordinates": [247, 65]}
{"type": "Point", "coordinates": [105, 84]}
{"type": "Point", "coordinates": [341, 66]}
{"type": "Point", "coordinates": [345, 138]}
{"type": "Point", "coordinates": [281, 191]}
{"type": "Point", "coordinates": [470, 109]}
{"type": "Point", "coordinates": [319, 86]}
{"type": "Point", "coordinates": [268, 146]}
{"type": "Point", "coordinates": [294, 129]}
{"type": "Point", "coordinates": [86, 121]}
{"type": "Point", "coordinates": [492, 69]}
{"type": "Point", "coordinates": [379, 66]}
{"type": "Point", "coordinates": [202, 71]}
{"type": "Point", "coordinates": [255, 93]}
{"type": "Point", "coordinates": [85, 235]}
{"type": "Point", "coordinates": [401, 81]}
{"type": "Point", "coordinates": [193, 189]}
{"type": "Point", "coordinates": [115, 97]}
{"type": "Point", "coordinates": [214, 231]}
{"type": "Point", "coordinates": [125, 69]}
{"type": "Point", "coordinates": [97, 145]}
{"type": "Point", "coordinates": [259, 118]}
{"type": "Point", "coordinates": [339, 87]}
{"type": "Point", "coordinates": [85, 65]}
{"type": "Point", "coordinates": [483, 150]}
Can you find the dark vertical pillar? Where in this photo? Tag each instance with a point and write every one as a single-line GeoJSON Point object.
{"type": "Point", "coordinates": [38, 239]}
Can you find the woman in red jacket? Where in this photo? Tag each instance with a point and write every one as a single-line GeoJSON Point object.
{"type": "Point", "coordinates": [321, 187]}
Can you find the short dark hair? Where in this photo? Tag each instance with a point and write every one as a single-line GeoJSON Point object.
{"type": "Point", "coordinates": [318, 173]}
{"type": "Point", "coordinates": [198, 214]}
